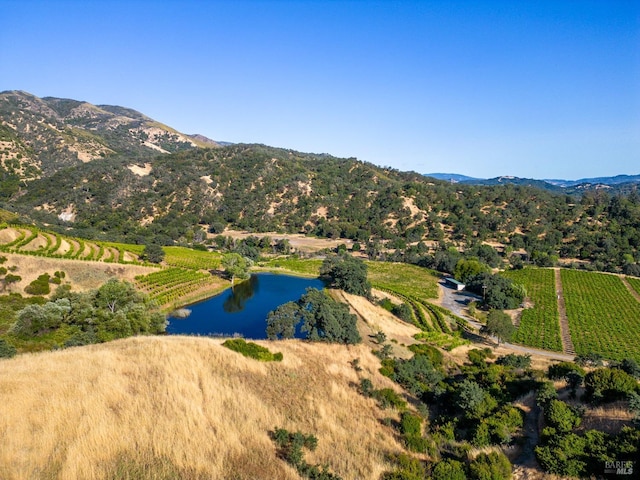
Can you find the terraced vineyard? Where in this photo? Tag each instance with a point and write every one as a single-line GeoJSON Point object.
{"type": "Point", "coordinates": [174, 287]}
{"type": "Point", "coordinates": [603, 315]}
{"type": "Point", "coordinates": [29, 240]}
{"type": "Point", "coordinates": [539, 326]}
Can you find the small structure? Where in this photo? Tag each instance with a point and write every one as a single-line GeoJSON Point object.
{"type": "Point", "coordinates": [453, 283]}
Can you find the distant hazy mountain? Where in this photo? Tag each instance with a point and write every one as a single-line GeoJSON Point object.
{"type": "Point", "coordinates": [617, 180]}
{"type": "Point", "coordinates": [617, 183]}
{"type": "Point", "coordinates": [450, 177]}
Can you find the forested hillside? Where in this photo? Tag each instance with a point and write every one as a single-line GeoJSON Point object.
{"type": "Point", "coordinates": [103, 175]}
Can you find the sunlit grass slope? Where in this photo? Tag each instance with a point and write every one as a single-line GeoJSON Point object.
{"type": "Point", "coordinates": [185, 407]}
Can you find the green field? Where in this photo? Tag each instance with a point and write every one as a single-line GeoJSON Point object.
{"type": "Point", "coordinates": [539, 325]}
{"type": "Point", "coordinates": [603, 315]}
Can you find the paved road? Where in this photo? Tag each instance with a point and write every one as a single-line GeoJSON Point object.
{"type": "Point", "coordinates": [457, 302]}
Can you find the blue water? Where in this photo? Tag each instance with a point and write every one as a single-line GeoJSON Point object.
{"type": "Point", "coordinates": [243, 310]}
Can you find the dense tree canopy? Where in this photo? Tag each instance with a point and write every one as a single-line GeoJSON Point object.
{"type": "Point", "coordinates": [323, 319]}
{"type": "Point", "coordinates": [346, 273]}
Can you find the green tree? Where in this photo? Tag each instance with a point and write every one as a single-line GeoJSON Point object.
{"type": "Point", "coordinates": [499, 325]}
{"type": "Point", "coordinates": [115, 295]}
{"type": "Point", "coordinates": [236, 266]}
{"type": "Point", "coordinates": [346, 273]}
{"type": "Point", "coordinates": [153, 253]}
{"type": "Point", "coordinates": [608, 384]}
{"type": "Point", "coordinates": [468, 268]}
{"type": "Point", "coordinates": [281, 322]}
{"type": "Point", "coordinates": [326, 320]}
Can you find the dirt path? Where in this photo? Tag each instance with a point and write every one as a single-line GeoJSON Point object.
{"type": "Point", "coordinates": [635, 294]}
{"type": "Point", "coordinates": [565, 335]}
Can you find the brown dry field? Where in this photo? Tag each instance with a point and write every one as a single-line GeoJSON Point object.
{"type": "Point", "coordinates": [82, 275]}
{"type": "Point", "coordinates": [297, 241]}
{"type": "Point", "coordinates": [189, 407]}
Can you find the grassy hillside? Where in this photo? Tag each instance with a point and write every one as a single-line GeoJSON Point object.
{"type": "Point", "coordinates": [179, 407]}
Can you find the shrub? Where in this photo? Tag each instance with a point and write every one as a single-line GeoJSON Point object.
{"type": "Point", "coordinates": [490, 466]}
{"type": "Point", "coordinates": [407, 468]}
{"type": "Point", "coordinates": [252, 350]}
{"type": "Point", "coordinates": [478, 357]}
{"type": "Point", "coordinates": [561, 416]}
{"type": "Point", "coordinates": [388, 398]}
{"type": "Point", "coordinates": [290, 447]}
{"type": "Point", "coordinates": [561, 370]}
{"type": "Point", "coordinates": [40, 286]}
{"type": "Point", "coordinates": [448, 469]}
{"type": "Point", "coordinates": [410, 424]}
{"type": "Point", "coordinates": [403, 312]}
{"type": "Point", "coordinates": [432, 353]}
{"type": "Point", "coordinates": [515, 361]}
{"type": "Point", "coordinates": [6, 349]}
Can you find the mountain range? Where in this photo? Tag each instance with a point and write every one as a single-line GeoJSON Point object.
{"type": "Point", "coordinates": [618, 182]}
{"type": "Point", "coordinates": [109, 172]}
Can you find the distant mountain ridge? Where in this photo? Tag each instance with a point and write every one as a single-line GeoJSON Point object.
{"type": "Point", "coordinates": [570, 186]}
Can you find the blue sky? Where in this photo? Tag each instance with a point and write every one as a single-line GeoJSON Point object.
{"type": "Point", "coordinates": [544, 89]}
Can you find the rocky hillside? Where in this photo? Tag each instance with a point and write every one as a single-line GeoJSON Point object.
{"type": "Point", "coordinates": [39, 136]}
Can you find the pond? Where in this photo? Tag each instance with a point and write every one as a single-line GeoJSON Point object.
{"type": "Point", "coordinates": [243, 310]}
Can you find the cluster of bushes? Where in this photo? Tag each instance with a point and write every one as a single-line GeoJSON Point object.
{"type": "Point", "coordinates": [565, 450]}
{"type": "Point", "coordinates": [41, 285]}
{"type": "Point", "coordinates": [290, 448]}
{"type": "Point", "coordinates": [402, 310]}
{"type": "Point", "coordinates": [252, 350]}
{"type": "Point", "coordinates": [115, 310]}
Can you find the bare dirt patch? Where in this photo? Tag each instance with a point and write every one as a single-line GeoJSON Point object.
{"type": "Point", "coordinates": [63, 248]}
{"type": "Point", "coordinates": [8, 235]}
{"type": "Point", "coordinates": [141, 171]}
{"type": "Point", "coordinates": [38, 243]}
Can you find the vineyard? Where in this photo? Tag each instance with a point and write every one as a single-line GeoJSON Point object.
{"type": "Point", "coordinates": [539, 326]}
{"type": "Point", "coordinates": [603, 315]}
{"type": "Point", "coordinates": [28, 240]}
{"type": "Point", "coordinates": [635, 284]}
{"type": "Point", "coordinates": [193, 259]}
{"type": "Point", "coordinates": [174, 287]}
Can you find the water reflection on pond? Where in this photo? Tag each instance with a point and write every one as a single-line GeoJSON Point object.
{"type": "Point", "coordinates": [244, 308]}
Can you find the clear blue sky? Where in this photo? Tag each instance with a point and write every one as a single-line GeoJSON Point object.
{"type": "Point", "coordinates": [545, 89]}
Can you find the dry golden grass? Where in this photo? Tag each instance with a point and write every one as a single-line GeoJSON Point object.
{"type": "Point", "coordinates": [609, 418]}
{"type": "Point", "coordinates": [373, 318]}
{"type": "Point", "coordinates": [186, 407]}
{"type": "Point", "coordinates": [82, 275]}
